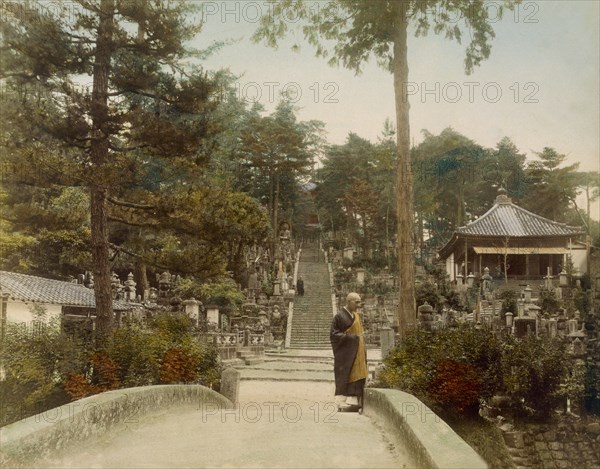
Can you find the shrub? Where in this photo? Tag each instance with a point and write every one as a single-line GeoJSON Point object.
{"type": "Point", "coordinates": [455, 386]}
{"type": "Point", "coordinates": [36, 361]}
{"type": "Point", "coordinates": [427, 292]}
{"type": "Point", "coordinates": [548, 301]}
{"type": "Point", "coordinates": [451, 370]}
{"type": "Point", "coordinates": [45, 367]}
{"type": "Point", "coordinates": [178, 366]}
{"type": "Point", "coordinates": [533, 368]}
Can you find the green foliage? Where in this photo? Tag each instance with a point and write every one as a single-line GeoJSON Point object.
{"type": "Point", "coordinates": [428, 365]}
{"type": "Point", "coordinates": [347, 32]}
{"type": "Point", "coordinates": [139, 131]}
{"type": "Point", "coordinates": [44, 367]}
{"type": "Point", "coordinates": [533, 368]}
{"type": "Point", "coordinates": [484, 437]}
{"type": "Point", "coordinates": [222, 292]}
{"type": "Point", "coordinates": [36, 360]}
{"type": "Point", "coordinates": [343, 277]}
{"type": "Point", "coordinates": [509, 304]}
{"type": "Point", "coordinates": [548, 301]}
{"type": "Point", "coordinates": [427, 292]}
{"type": "Point", "coordinates": [509, 301]}
{"type": "Point", "coordinates": [140, 353]}
{"type": "Point", "coordinates": [454, 370]}
{"type": "Point", "coordinates": [550, 181]}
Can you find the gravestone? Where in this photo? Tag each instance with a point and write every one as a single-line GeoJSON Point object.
{"type": "Point", "coordinates": [525, 327]}
{"type": "Point", "coordinates": [387, 340]}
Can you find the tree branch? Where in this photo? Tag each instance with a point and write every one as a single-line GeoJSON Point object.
{"type": "Point", "coordinates": [126, 149]}
{"type": "Point", "coordinates": [123, 203]}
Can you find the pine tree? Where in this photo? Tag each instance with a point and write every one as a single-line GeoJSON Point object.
{"type": "Point", "coordinates": [142, 105]}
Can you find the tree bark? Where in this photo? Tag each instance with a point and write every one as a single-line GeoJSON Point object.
{"type": "Point", "coordinates": [141, 278]}
{"type": "Point", "coordinates": [404, 180]}
{"type": "Point", "coordinates": [99, 155]}
{"type": "Point", "coordinates": [276, 206]}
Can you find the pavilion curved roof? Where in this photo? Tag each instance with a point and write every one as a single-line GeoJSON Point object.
{"type": "Point", "coordinates": [507, 219]}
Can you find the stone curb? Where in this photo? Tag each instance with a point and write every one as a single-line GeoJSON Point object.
{"type": "Point", "coordinates": [37, 436]}
{"type": "Point", "coordinates": [431, 440]}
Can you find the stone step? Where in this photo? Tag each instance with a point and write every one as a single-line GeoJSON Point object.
{"type": "Point", "coordinates": [253, 361]}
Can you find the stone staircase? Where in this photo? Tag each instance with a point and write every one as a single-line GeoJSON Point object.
{"type": "Point", "coordinates": [312, 312]}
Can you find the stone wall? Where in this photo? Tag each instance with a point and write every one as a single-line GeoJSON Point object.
{"type": "Point", "coordinates": [555, 446]}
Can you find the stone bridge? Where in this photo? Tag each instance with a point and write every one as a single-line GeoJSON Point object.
{"type": "Point", "coordinates": [285, 416]}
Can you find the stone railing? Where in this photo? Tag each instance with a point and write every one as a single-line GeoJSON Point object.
{"type": "Point", "coordinates": [256, 339]}
{"type": "Point", "coordinates": [227, 339]}
{"type": "Point", "coordinates": [430, 440]}
{"type": "Point", "coordinates": [36, 437]}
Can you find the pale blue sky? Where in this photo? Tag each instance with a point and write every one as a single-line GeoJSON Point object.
{"type": "Point", "coordinates": [544, 61]}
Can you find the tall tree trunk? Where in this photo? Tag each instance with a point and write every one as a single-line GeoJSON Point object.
{"type": "Point", "coordinates": [141, 278]}
{"type": "Point", "coordinates": [404, 181]}
{"type": "Point", "coordinates": [276, 206]}
{"type": "Point", "coordinates": [460, 205]}
{"type": "Point", "coordinates": [99, 155]}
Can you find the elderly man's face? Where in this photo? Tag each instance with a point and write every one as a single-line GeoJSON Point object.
{"type": "Point", "coordinates": [353, 303]}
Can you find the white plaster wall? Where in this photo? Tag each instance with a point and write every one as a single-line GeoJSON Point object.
{"type": "Point", "coordinates": [17, 311]}
{"type": "Point", "coordinates": [579, 258]}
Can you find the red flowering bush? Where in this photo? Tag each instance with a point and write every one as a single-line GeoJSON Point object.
{"type": "Point", "coordinates": [456, 386]}
{"type": "Point", "coordinates": [451, 370]}
{"type": "Point", "coordinates": [103, 377]}
{"type": "Point", "coordinates": [178, 366]}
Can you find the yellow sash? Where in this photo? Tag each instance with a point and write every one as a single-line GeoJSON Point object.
{"type": "Point", "coordinates": [359, 368]}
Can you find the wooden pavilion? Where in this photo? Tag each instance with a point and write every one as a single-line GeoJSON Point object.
{"type": "Point", "coordinates": [508, 238]}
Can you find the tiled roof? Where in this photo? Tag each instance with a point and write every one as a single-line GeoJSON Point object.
{"type": "Point", "coordinates": [508, 219]}
{"type": "Point", "coordinates": [43, 290]}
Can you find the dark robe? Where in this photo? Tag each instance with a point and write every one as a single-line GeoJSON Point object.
{"type": "Point", "coordinates": [345, 348]}
{"type": "Point", "coordinates": [300, 287]}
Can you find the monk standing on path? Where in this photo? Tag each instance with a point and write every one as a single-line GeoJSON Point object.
{"type": "Point", "coordinates": [349, 355]}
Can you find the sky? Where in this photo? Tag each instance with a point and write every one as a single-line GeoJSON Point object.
{"type": "Point", "coordinates": [540, 86]}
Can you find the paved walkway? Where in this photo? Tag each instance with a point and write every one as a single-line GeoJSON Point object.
{"type": "Point", "coordinates": [291, 424]}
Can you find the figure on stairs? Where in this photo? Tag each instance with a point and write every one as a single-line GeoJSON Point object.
{"type": "Point", "coordinates": [300, 286]}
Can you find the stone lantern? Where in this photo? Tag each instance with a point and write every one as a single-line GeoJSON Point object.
{"type": "Point", "coordinates": [129, 287]}
{"type": "Point", "coordinates": [527, 294]}
{"type": "Point", "coordinates": [563, 279]}
{"type": "Point", "coordinates": [509, 319]}
{"type": "Point", "coordinates": [426, 316]}
{"type": "Point", "coordinates": [192, 309]}
{"type": "Point", "coordinates": [116, 287]}
{"type": "Point", "coordinates": [470, 279]}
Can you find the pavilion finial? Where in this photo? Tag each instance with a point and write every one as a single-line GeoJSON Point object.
{"type": "Point", "coordinates": [502, 197]}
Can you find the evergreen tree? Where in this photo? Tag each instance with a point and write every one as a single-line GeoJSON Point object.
{"type": "Point", "coordinates": [143, 105]}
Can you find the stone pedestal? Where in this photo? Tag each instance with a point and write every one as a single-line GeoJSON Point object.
{"type": "Point", "coordinates": [230, 384]}
{"type": "Point", "coordinates": [348, 253]}
{"type": "Point", "coordinates": [360, 276]}
{"type": "Point", "coordinates": [387, 340]}
{"type": "Point", "coordinates": [212, 315]}
{"type": "Point", "coordinates": [192, 309]}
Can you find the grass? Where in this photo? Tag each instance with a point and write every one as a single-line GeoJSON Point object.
{"type": "Point", "coordinates": [485, 438]}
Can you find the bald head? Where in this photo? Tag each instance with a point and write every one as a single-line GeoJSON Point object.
{"type": "Point", "coordinates": [352, 301]}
